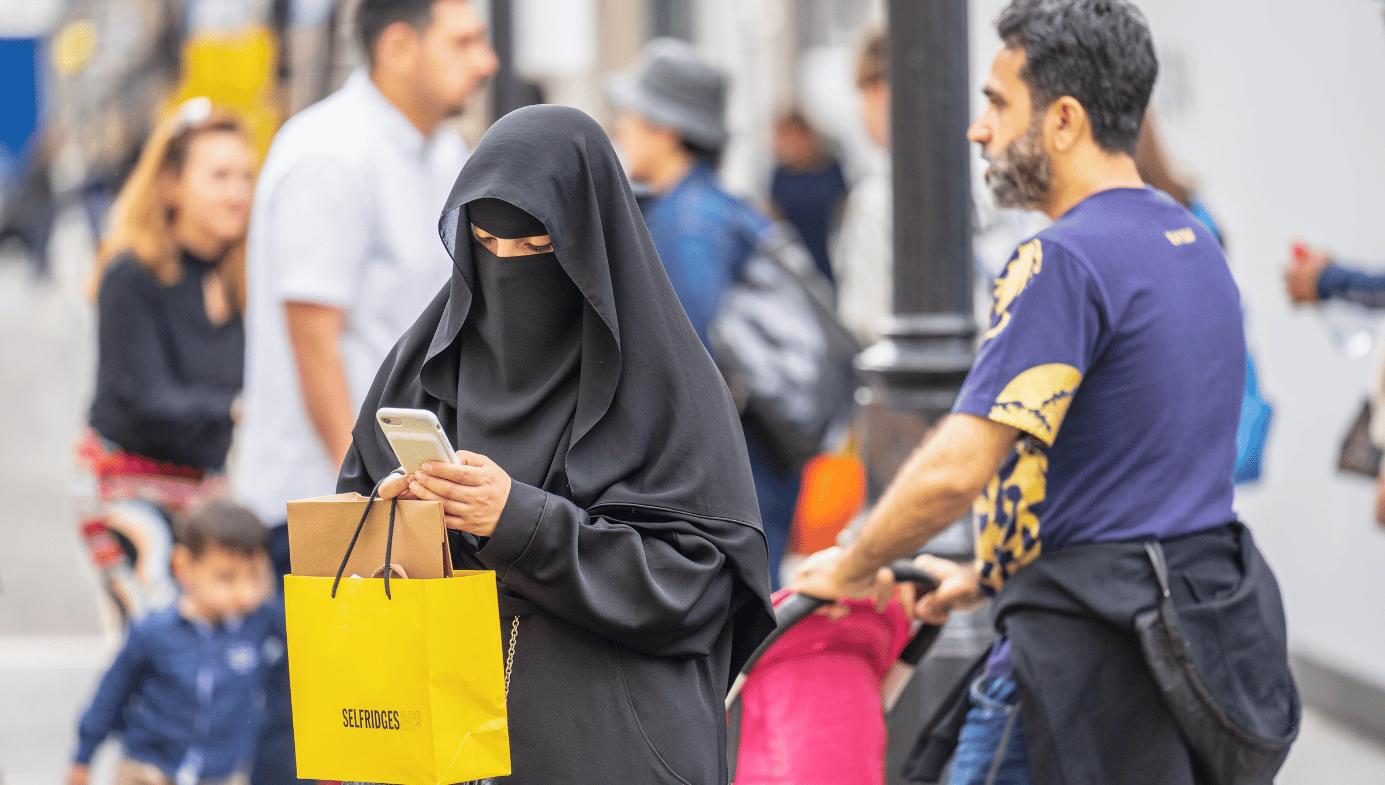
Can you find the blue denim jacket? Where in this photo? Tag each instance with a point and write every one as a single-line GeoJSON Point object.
{"type": "Point", "coordinates": [1354, 286]}
{"type": "Point", "coordinates": [187, 697]}
{"type": "Point", "coordinates": [703, 236]}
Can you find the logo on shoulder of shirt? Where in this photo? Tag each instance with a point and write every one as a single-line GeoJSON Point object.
{"type": "Point", "coordinates": [242, 658]}
{"type": "Point", "coordinates": [1182, 236]}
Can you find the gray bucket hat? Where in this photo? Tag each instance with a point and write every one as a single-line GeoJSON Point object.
{"type": "Point", "coordinates": [675, 89]}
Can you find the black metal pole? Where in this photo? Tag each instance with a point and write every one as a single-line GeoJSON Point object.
{"type": "Point", "coordinates": [661, 17]}
{"type": "Point", "coordinates": [670, 18]}
{"type": "Point", "coordinates": [918, 366]}
{"type": "Point", "coordinates": [916, 370]}
{"type": "Point", "coordinates": [927, 349]}
{"type": "Point", "coordinates": [505, 93]}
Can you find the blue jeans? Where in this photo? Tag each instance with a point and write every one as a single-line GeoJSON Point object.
{"type": "Point", "coordinates": [777, 492]}
{"type": "Point", "coordinates": [994, 708]}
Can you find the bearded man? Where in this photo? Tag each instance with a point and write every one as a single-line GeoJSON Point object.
{"type": "Point", "coordinates": [1141, 633]}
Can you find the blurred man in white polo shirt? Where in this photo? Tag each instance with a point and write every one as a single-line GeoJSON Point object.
{"type": "Point", "coordinates": [344, 254]}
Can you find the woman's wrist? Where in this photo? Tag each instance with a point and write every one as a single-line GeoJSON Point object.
{"type": "Point", "coordinates": [517, 526]}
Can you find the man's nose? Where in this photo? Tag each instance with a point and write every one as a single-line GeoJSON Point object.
{"type": "Point", "coordinates": [979, 132]}
{"type": "Point", "coordinates": [490, 62]}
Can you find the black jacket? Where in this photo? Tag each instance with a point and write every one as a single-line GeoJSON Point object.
{"type": "Point", "coordinates": [165, 375]}
{"type": "Point", "coordinates": [1079, 619]}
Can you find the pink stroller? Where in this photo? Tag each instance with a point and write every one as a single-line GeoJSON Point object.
{"type": "Point", "coordinates": [811, 695]}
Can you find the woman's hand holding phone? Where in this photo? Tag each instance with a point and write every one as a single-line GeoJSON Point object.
{"type": "Point", "coordinates": [473, 491]}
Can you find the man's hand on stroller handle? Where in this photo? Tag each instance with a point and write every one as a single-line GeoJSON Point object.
{"type": "Point", "coordinates": [958, 589]}
{"type": "Point", "coordinates": [819, 576]}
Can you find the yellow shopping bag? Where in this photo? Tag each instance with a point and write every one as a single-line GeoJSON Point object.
{"type": "Point", "coordinates": [406, 687]}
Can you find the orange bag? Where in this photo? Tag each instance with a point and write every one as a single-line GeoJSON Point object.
{"type": "Point", "coordinates": [834, 490]}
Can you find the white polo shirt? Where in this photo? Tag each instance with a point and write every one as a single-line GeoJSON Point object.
{"type": "Point", "coordinates": [346, 214]}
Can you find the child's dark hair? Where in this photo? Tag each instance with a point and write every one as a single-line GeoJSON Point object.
{"type": "Point", "coordinates": [226, 525]}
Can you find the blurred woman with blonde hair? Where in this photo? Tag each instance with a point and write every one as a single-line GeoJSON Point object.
{"type": "Point", "coordinates": [169, 287]}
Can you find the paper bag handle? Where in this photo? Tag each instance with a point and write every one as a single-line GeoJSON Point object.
{"type": "Point", "coordinates": [395, 569]}
{"type": "Point", "coordinates": [389, 538]}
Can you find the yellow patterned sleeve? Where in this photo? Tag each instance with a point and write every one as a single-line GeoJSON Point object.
{"type": "Point", "coordinates": [1037, 399]}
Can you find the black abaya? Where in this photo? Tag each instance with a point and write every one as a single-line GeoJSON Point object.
{"type": "Point", "coordinates": [630, 545]}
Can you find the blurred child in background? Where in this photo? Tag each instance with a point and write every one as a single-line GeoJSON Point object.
{"type": "Point", "coordinates": [185, 692]}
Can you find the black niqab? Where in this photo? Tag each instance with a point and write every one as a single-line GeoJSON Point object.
{"type": "Point", "coordinates": [520, 352]}
{"type": "Point", "coordinates": [504, 220]}
{"type": "Point", "coordinates": [608, 399]}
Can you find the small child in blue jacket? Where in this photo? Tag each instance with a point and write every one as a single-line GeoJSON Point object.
{"type": "Point", "coordinates": [185, 692]}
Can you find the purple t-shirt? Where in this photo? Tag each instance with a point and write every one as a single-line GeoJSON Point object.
{"type": "Point", "coordinates": [1116, 347]}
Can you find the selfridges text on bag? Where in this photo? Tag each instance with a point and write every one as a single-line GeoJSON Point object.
{"type": "Point", "coordinates": [785, 356]}
{"type": "Point", "coordinates": [397, 681]}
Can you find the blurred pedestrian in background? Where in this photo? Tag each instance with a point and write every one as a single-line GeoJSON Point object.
{"type": "Point", "coordinates": [186, 690]}
{"type": "Point", "coordinates": [1096, 435]}
{"type": "Point", "coordinates": [601, 474]}
{"type": "Point", "coordinates": [1314, 276]}
{"type": "Point", "coordinates": [111, 64]}
{"type": "Point", "coordinates": [170, 289]}
{"type": "Point", "coordinates": [343, 256]}
{"type": "Point", "coordinates": [807, 187]}
{"type": "Point", "coordinates": [863, 255]}
{"type": "Point", "coordinates": [672, 131]}
{"type": "Point", "coordinates": [230, 53]}
{"type": "Point", "coordinates": [1256, 413]}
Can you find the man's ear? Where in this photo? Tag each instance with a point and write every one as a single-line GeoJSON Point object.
{"type": "Point", "coordinates": [1065, 124]}
{"type": "Point", "coordinates": [397, 47]}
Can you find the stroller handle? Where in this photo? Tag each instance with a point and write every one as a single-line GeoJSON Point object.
{"type": "Point", "coordinates": [798, 607]}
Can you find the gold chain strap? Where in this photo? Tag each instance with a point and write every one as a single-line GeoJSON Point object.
{"type": "Point", "coordinates": [510, 656]}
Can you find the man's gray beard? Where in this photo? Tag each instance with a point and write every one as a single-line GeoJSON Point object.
{"type": "Point", "coordinates": [1020, 176]}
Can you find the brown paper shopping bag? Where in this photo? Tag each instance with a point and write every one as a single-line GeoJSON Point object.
{"type": "Point", "coordinates": [320, 532]}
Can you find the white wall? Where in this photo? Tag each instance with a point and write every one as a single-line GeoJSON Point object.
{"type": "Point", "coordinates": [752, 41]}
{"type": "Point", "coordinates": [1278, 106]}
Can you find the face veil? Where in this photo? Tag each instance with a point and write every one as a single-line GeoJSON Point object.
{"type": "Point", "coordinates": [628, 416]}
{"type": "Point", "coordinates": [519, 353]}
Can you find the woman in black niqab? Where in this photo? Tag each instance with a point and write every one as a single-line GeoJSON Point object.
{"type": "Point", "coordinates": [629, 542]}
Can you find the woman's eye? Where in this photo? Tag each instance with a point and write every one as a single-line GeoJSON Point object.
{"type": "Point", "coordinates": [540, 248]}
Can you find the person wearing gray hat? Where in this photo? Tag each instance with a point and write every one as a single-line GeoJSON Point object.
{"type": "Point", "coordinates": [671, 132]}
{"type": "Point", "coordinates": [675, 90]}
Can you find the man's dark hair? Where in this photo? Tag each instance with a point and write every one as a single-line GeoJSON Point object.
{"type": "Point", "coordinates": [224, 525]}
{"type": "Point", "coordinates": [373, 16]}
{"type": "Point", "coordinates": [1099, 52]}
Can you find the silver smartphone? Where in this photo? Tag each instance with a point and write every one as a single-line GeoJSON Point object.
{"type": "Point", "coordinates": [416, 436]}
